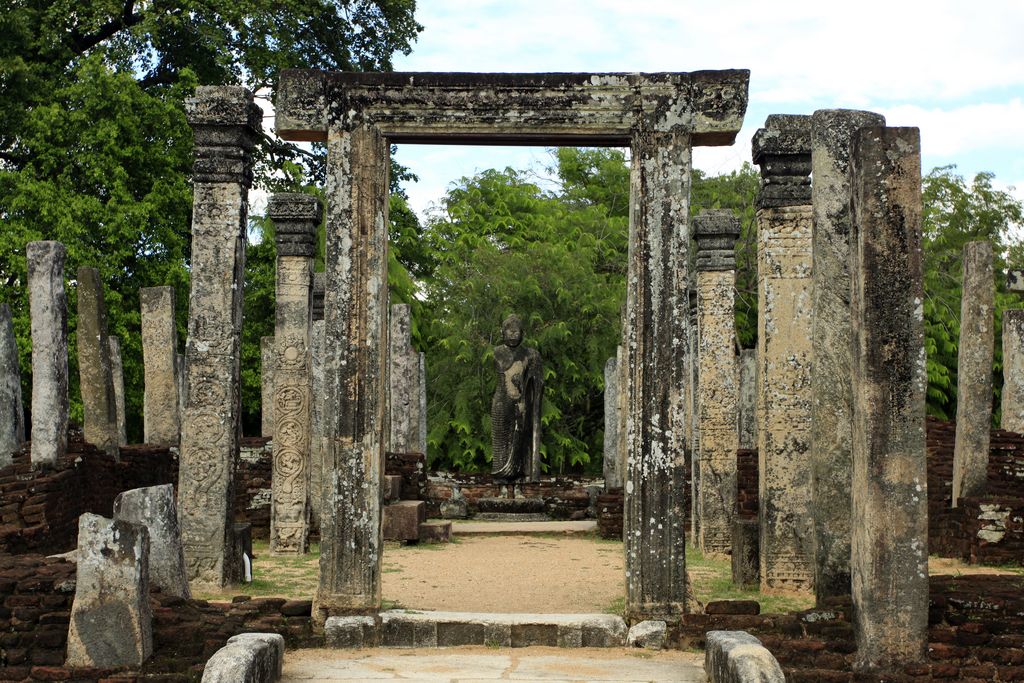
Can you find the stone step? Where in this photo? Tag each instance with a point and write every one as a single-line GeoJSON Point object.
{"type": "Point", "coordinates": [406, 628]}
{"type": "Point", "coordinates": [402, 520]}
{"type": "Point", "coordinates": [436, 532]}
{"type": "Point", "coordinates": [392, 488]}
{"type": "Point", "coordinates": [511, 505]}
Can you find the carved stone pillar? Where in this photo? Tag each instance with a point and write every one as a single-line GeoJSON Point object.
{"type": "Point", "coordinates": [267, 387]}
{"type": "Point", "coordinates": [296, 218]}
{"type": "Point", "coordinates": [406, 421]}
{"type": "Point", "coordinates": [610, 469]}
{"type": "Point", "coordinates": [225, 122]}
{"type": "Point", "coordinates": [49, 308]}
{"type": "Point", "coordinates": [1013, 371]}
{"type": "Point", "coordinates": [161, 404]}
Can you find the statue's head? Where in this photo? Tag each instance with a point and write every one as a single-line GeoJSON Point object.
{"type": "Point", "coordinates": [512, 331]}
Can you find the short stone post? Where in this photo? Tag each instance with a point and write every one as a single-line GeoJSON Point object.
{"type": "Point", "coordinates": [831, 343]}
{"type": "Point", "coordinates": [12, 412]}
{"type": "Point", "coordinates": [974, 373]}
{"type": "Point", "coordinates": [267, 387]}
{"type": "Point", "coordinates": [154, 508]}
{"type": "Point", "coordinates": [1013, 371]}
{"type": "Point", "coordinates": [784, 216]}
{"type": "Point", "coordinates": [296, 217]}
{"type": "Point", "coordinates": [225, 122]}
{"type": "Point", "coordinates": [161, 409]}
{"type": "Point", "coordinates": [111, 621]}
{"type": "Point", "coordinates": [889, 557]}
{"type": "Point", "coordinates": [747, 407]}
{"type": "Point", "coordinates": [49, 308]}
{"type": "Point", "coordinates": [404, 378]}
{"type": "Point", "coordinates": [611, 471]}
{"type": "Point", "coordinates": [716, 233]}
{"type": "Point", "coordinates": [96, 378]}
{"type": "Point", "coordinates": [117, 375]}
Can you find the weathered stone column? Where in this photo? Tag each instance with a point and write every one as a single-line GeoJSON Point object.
{"type": "Point", "coordinates": [889, 559]}
{"type": "Point", "coordinates": [783, 151]}
{"type": "Point", "coordinates": [692, 369]}
{"type": "Point", "coordinates": [831, 344]}
{"type": "Point", "coordinates": [267, 387]}
{"type": "Point", "coordinates": [95, 377]}
{"type": "Point", "coordinates": [355, 371]}
{"type": "Point", "coordinates": [715, 233]}
{"type": "Point", "coordinates": [974, 373]}
{"type": "Point", "coordinates": [406, 421]}
{"type": "Point", "coordinates": [117, 376]}
{"type": "Point", "coordinates": [318, 344]}
{"type": "Point", "coordinates": [1013, 371]}
{"type": "Point", "coordinates": [747, 406]}
{"type": "Point", "coordinates": [610, 469]}
{"type": "Point", "coordinates": [49, 308]}
{"type": "Point", "coordinates": [225, 122]}
{"type": "Point", "coordinates": [296, 218]}
{"type": "Point", "coordinates": [319, 289]}
{"type": "Point", "coordinates": [160, 402]}
{"type": "Point", "coordinates": [12, 412]}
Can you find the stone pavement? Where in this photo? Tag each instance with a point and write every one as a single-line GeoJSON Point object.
{"type": "Point", "coordinates": [502, 527]}
{"type": "Point", "coordinates": [469, 664]}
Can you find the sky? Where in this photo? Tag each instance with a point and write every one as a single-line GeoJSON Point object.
{"type": "Point", "coordinates": [953, 68]}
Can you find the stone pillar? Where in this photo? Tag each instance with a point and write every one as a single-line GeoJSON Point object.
{"type": "Point", "coordinates": [1013, 371]}
{"type": "Point", "coordinates": [747, 406]}
{"type": "Point", "coordinates": [267, 387]}
{"type": "Point", "coordinates": [612, 473]}
{"type": "Point", "coordinates": [319, 288]}
{"type": "Point", "coordinates": [692, 369]}
{"type": "Point", "coordinates": [117, 375]}
{"type": "Point", "coordinates": [405, 419]}
{"type": "Point", "coordinates": [49, 308]}
{"type": "Point", "coordinates": [656, 327]}
{"type": "Point", "coordinates": [161, 400]}
{"type": "Point", "coordinates": [318, 344]}
{"type": "Point", "coordinates": [12, 412]}
{"type": "Point", "coordinates": [225, 122]}
{"type": "Point", "coordinates": [355, 371]}
{"type": "Point", "coordinates": [422, 436]}
{"type": "Point", "coordinates": [831, 345]}
{"type": "Point", "coordinates": [974, 373]}
{"type": "Point", "coordinates": [181, 367]}
{"type": "Point", "coordinates": [296, 217]}
{"type": "Point", "coordinates": [153, 507]}
{"type": "Point", "coordinates": [95, 378]}
{"type": "Point", "coordinates": [889, 558]}
{"type": "Point", "coordinates": [784, 216]}
{"type": "Point", "coordinates": [715, 233]}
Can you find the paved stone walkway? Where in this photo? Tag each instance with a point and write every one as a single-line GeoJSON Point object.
{"type": "Point", "coordinates": [468, 665]}
{"type": "Point", "coordinates": [460, 528]}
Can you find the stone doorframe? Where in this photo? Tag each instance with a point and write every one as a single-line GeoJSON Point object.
{"type": "Point", "coordinates": [660, 117]}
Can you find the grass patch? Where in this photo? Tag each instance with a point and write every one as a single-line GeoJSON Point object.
{"type": "Point", "coordinates": [712, 580]}
{"type": "Point", "coordinates": [617, 606]}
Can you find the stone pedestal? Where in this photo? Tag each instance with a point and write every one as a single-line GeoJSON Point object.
{"type": "Point", "coordinates": [154, 508]}
{"type": "Point", "coordinates": [95, 377]}
{"type": "Point", "coordinates": [406, 424]}
{"type": "Point", "coordinates": [716, 233]}
{"type": "Point", "coordinates": [611, 462]}
{"type": "Point", "coordinates": [889, 556]}
{"type": "Point", "coordinates": [267, 387]}
{"type": "Point", "coordinates": [296, 218]}
{"type": "Point", "coordinates": [49, 307]}
{"type": "Point", "coordinates": [783, 151]}
{"type": "Point", "coordinates": [12, 412]}
{"type": "Point", "coordinates": [1013, 371]}
{"type": "Point", "coordinates": [111, 622]}
{"type": "Point", "coordinates": [831, 335]}
{"type": "Point", "coordinates": [117, 376]}
{"type": "Point", "coordinates": [747, 406]}
{"type": "Point", "coordinates": [225, 122]}
{"type": "Point", "coordinates": [974, 373]}
{"type": "Point", "coordinates": [161, 400]}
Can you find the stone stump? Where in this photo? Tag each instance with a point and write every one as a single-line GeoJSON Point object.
{"type": "Point", "coordinates": [974, 373]}
{"type": "Point", "coordinates": [612, 473]}
{"type": "Point", "coordinates": [49, 309]}
{"type": "Point", "coordinates": [154, 508]}
{"type": "Point", "coordinates": [161, 403]}
{"type": "Point", "coordinates": [96, 379]}
{"type": "Point", "coordinates": [111, 622]}
{"type": "Point", "coordinates": [117, 376]}
{"type": "Point", "coordinates": [1013, 371]}
{"type": "Point", "coordinates": [889, 553]}
{"type": "Point", "coordinates": [12, 412]}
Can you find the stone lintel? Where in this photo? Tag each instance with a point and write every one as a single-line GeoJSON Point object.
{"type": "Point", "coordinates": [716, 232]}
{"type": "Point", "coordinates": [508, 108]}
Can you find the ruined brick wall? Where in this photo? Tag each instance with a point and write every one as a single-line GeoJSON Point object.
{"type": "Point", "coordinates": [609, 514]}
{"type": "Point", "coordinates": [746, 483]}
{"type": "Point", "coordinates": [252, 485]}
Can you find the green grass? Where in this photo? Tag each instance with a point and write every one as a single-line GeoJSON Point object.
{"type": "Point", "coordinates": [618, 607]}
{"type": "Point", "coordinates": [712, 580]}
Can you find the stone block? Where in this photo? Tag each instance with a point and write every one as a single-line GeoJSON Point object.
{"type": "Point", "coordinates": [461, 633]}
{"type": "Point", "coordinates": [111, 621]}
{"type": "Point", "coordinates": [455, 507]}
{"type": "Point", "coordinates": [648, 634]}
{"type": "Point", "coordinates": [247, 658]}
{"type": "Point", "coordinates": [738, 657]}
{"type": "Point", "coordinates": [435, 532]}
{"type": "Point", "coordinates": [530, 634]}
{"type": "Point", "coordinates": [274, 641]}
{"type": "Point", "coordinates": [351, 632]}
{"type": "Point", "coordinates": [745, 552]}
{"type": "Point", "coordinates": [402, 520]}
{"type": "Point", "coordinates": [447, 629]}
{"type": "Point", "coordinates": [392, 488]}
{"type": "Point", "coordinates": [733, 607]}
{"type": "Point", "coordinates": [154, 507]}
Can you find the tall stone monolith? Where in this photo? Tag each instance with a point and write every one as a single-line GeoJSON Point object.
{"type": "Point", "coordinates": [267, 387]}
{"type": "Point", "coordinates": [974, 373]}
{"type": "Point", "coordinates": [747, 406]}
{"type": "Point", "coordinates": [296, 217]}
{"type": "Point", "coordinates": [316, 449]}
{"type": "Point", "coordinates": [161, 403]}
{"type": "Point", "coordinates": [226, 123]}
{"type": "Point", "coordinates": [405, 420]}
{"type": "Point", "coordinates": [831, 337]}
{"type": "Point", "coordinates": [117, 376]}
{"type": "Point", "coordinates": [610, 467]}
{"type": "Point", "coordinates": [12, 412]}
{"type": "Point", "coordinates": [889, 551]}
{"type": "Point", "coordinates": [716, 233]}
{"type": "Point", "coordinates": [1013, 371]}
{"type": "Point", "coordinates": [95, 377]}
{"type": "Point", "coordinates": [783, 151]}
{"type": "Point", "coordinates": [49, 309]}
{"type": "Point", "coordinates": [692, 370]}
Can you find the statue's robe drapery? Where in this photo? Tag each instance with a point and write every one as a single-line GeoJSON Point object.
{"type": "Point", "coordinates": [515, 413]}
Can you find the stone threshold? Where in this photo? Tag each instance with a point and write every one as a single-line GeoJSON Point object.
{"type": "Point", "coordinates": [409, 628]}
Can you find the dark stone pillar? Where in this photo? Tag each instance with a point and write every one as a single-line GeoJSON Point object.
{"type": "Point", "coordinates": [96, 379]}
{"type": "Point", "coordinates": [49, 308]}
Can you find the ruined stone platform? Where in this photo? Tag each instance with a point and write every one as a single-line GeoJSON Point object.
{"type": "Point", "coordinates": [504, 527]}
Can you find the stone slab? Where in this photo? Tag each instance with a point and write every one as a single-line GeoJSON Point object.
{"type": "Point", "coordinates": [247, 658]}
{"type": "Point", "coordinates": [435, 532]}
{"type": "Point", "coordinates": [738, 657]}
{"type": "Point", "coordinates": [351, 632]}
{"type": "Point", "coordinates": [500, 527]}
{"type": "Point", "coordinates": [392, 488]}
{"type": "Point", "coordinates": [650, 634]}
{"type": "Point", "coordinates": [154, 507]}
{"type": "Point", "coordinates": [417, 629]}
